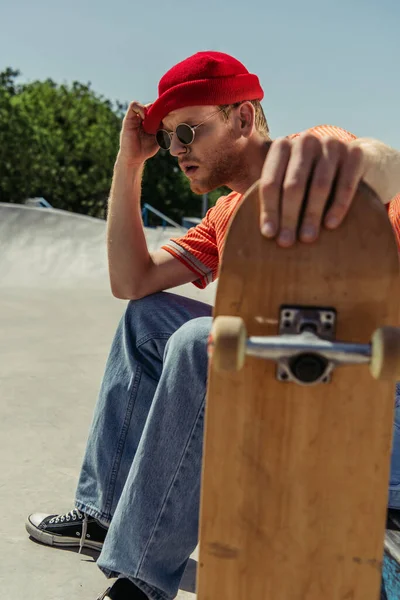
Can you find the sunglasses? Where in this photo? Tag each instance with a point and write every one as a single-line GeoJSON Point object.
{"type": "Point", "coordinates": [184, 132]}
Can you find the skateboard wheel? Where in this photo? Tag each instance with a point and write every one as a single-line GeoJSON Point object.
{"type": "Point", "coordinates": [228, 341]}
{"type": "Point", "coordinates": [385, 355]}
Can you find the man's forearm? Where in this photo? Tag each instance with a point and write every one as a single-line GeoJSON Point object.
{"type": "Point", "coordinates": [128, 255]}
{"type": "Point", "coordinates": [382, 167]}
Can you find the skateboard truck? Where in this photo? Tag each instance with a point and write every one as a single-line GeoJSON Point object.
{"type": "Point", "coordinates": [306, 351]}
{"type": "Point", "coordinates": [307, 326]}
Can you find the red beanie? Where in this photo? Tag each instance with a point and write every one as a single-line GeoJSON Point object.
{"type": "Point", "coordinates": [206, 78]}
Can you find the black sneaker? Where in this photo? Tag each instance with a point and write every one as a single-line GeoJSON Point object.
{"type": "Point", "coordinates": [123, 589]}
{"type": "Point", "coordinates": [72, 529]}
{"type": "Point", "coordinates": [393, 519]}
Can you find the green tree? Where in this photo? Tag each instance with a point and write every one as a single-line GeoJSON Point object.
{"type": "Point", "coordinates": [60, 142]}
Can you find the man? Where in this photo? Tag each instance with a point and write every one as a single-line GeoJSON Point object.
{"type": "Point", "coordinates": [140, 478]}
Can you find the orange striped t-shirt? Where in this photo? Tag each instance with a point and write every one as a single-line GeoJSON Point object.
{"type": "Point", "coordinates": [201, 247]}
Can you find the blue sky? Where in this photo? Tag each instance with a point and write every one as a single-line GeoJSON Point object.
{"type": "Point", "coordinates": [334, 62]}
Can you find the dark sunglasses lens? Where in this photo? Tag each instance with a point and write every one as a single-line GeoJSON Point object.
{"type": "Point", "coordinates": [163, 139]}
{"type": "Point", "coordinates": [184, 133]}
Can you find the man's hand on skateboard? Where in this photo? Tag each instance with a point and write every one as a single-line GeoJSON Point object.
{"type": "Point", "coordinates": [312, 165]}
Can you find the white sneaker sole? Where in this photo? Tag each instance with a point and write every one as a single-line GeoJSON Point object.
{"type": "Point", "coordinates": [59, 541]}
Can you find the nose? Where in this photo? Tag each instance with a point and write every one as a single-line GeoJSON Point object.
{"type": "Point", "coordinates": [177, 148]}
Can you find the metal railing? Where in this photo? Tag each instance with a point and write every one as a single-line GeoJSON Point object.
{"type": "Point", "coordinates": [164, 219]}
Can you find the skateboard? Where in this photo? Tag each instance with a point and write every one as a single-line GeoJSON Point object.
{"type": "Point", "coordinates": [299, 411]}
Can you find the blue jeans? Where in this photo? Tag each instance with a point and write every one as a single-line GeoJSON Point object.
{"type": "Point", "coordinates": [394, 488]}
{"type": "Point", "coordinates": [142, 467]}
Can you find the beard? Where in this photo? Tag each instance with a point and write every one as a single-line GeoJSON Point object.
{"type": "Point", "coordinates": [225, 165]}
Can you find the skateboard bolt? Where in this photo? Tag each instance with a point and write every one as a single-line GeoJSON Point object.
{"type": "Point", "coordinates": [308, 368]}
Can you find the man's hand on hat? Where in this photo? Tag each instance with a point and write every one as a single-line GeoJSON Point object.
{"type": "Point", "coordinates": [289, 167]}
{"type": "Point", "coordinates": [136, 146]}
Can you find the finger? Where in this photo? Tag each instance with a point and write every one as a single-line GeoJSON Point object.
{"type": "Point", "coordinates": [303, 157]}
{"type": "Point", "coordinates": [320, 188]}
{"type": "Point", "coordinates": [272, 176]}
{"type": "Point", "coordinates": [133, 117]}
{"type": "Point", "coordinates": [350, 174]}
{"type": "Point", "coordinates": [138, 109]}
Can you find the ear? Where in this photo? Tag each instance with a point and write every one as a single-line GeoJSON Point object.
{"type": "Point", "coordinates": [247, 118]}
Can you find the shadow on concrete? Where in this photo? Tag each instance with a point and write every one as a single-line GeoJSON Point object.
{"type": "Point", "coordinates": [88, 552]}
{"type": "Point", "coordinates": [188, 583]}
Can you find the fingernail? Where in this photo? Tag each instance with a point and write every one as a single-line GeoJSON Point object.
{"type": "Point", "coordinates": [285, 237]}
{"type": "Point", "coordinates": [309, 232]}
{"type": "Point", "coordinates": [332, 221]}
{"type": "Point", "coordinates": [268, 229]}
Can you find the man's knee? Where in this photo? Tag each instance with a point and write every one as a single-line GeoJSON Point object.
{"type": "Point", "coordinates": [149, 315]}
{"type": "Point", "coordinates": [192, 336]}
{"type": "Point", "coordinates": [149, 305]}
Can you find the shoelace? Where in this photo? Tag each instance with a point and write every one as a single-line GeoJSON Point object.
{"type": "Point", "coordinates": [116, 591]}
{"type": "Point", "coordinates": [104, 594]}
{"type": "Point", "coordinates": [84, 530]}
{"type": "Point", "coordinates": [74, 514]}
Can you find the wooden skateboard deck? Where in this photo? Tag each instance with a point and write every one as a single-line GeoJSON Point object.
{"type": "Point", "coordinates": [295, 478]}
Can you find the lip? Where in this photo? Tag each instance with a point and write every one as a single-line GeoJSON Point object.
{"type": "Point", "coordinates": [185, 168]}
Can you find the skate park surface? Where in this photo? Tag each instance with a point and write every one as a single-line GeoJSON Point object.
{"type": "Point", "coordinates": [57, 320]}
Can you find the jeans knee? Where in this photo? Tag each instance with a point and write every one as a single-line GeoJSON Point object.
{"type": "Point", "coordinates": [162, 314]}
{"type": "Point", "coordinates": [139, 309]}
{"type": "Point", "coordinates": [191, 337]}
{"type": "Point", "coordinates": [185, 354]}
{"type": "Point", "coordinates": [148, 316]}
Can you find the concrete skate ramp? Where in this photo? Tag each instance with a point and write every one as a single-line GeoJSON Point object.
{"type": "Point", "coordinates": [57, 320]}
{"type": "Point", "coordinates": [48, 248]}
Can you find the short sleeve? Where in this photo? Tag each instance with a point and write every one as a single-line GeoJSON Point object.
{"type": "Point", "coordinates": [394, 216]}
{"type": "Point", "coordinates": [328, 130]}
{"type": "Point", "coordinates": [198, 250]}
